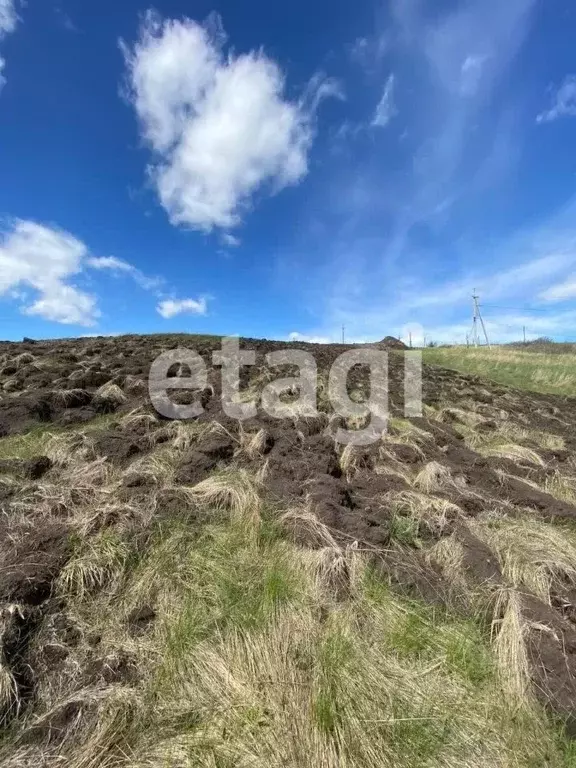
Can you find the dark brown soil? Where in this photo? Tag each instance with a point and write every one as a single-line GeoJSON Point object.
{"type": "Point", "coordinates": [32, 556]}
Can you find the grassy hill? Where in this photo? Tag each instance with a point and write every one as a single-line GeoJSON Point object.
{"type": "Point", "coordinates": [542, 368]}
{"type": "Point", "coordinates": [204, 593]}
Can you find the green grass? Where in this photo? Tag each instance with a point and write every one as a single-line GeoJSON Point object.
{"type": "Point", "coordinates": [250, 662]}
{"type": "Point", "coordinates": [548, 373]}
{"type": "Point", "coordinates": [379, 681]}
{"type": "Point", "coordinates": [405, 530]}
{"type": "Point", "coordinates": [33, 443]}
{"type": "Point", "coordinates": [28, 445]}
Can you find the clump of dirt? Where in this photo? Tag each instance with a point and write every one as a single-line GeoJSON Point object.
{"type": "Point", "coordinates": [32, 556]}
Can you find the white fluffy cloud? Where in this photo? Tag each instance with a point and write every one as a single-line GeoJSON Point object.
{"type": "Point", "coordinates": [44, 259]}
{"type": "Point", "coordinates": [8, 20]}
{"type": "Point", "coordinates": [386, 109]}
{"type": "Point", "coordinates": [563, 103]}
{"type": "Point", "coordinates": [169, 308]}
{"type": "Point", "coordinates": [220, 126]}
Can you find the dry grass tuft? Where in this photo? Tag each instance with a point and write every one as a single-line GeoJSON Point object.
{"type": "Point", "coordinates": [111, 513]}
{"type": "Point", "coordinates": [509, 631]}
{"type": "Point", "coordinates": [78, 488]}
{"type": "Point", "coordinates": [137, 418]}
{"type": "Point", "coordinates": [233, 490]}
{"type": "Point", "coordinates": [108, 397]}
{"type": "Point", "coordinates": [10, 701]}
{"type": "Point", "coordinates": [533, 555]}
{"type": "Point", "coordinates": [68, 448]}
{"type": "Point", "coordinates": [262, 472]}
{"type": "Point", "coordinates": [392, 441]}
{"type": "Point", "coordinates": [428, 512]}
{"type": "Point", "coordinates": [562, 487]}
{"type": "Point", "coordinates": [186, 434]}
{"type": "Point", "coordinates": [67, 397]}
{"type": "Point", "coordinates": [349, 461]}
{"type": "Point", "coordinates": [405, 428]}
{"type": "Point", "coordinates": [512, 451]}
{"type": "Point", "coordinates": [23, 359]}
{"type": "Point", "coordinates": [450, 415]}
{"type": "Point", "coordinates": [9, 697]}
{"type": "Point", "coordinates": [337, 568]}
{"type": "Point", "coordinates": [158, 468]}
{"type": "Point", "coordinates": [252, 444]}
{"type": "Point", "coordinates": [448, 555]}
{"type": "Point", "coordinates": [302, 523]}
{"type": "Point", "coordinates": [96, 473]}
{"type": "Point", "coordinates": [434, 477]}
{"type": "Point", "coordinates": [337, 571]}
{"type": "Point", "coordinates": [98, 563]}
{"type": "Point", "coordinates": [391, 466]}
{"type": "Point", "coordinates": [135, 386]}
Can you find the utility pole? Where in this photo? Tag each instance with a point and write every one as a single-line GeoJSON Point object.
{"type": "Point", "coordinates": [524, 334]}
{"type": "Point", "coordinates": [410, 338]}
{"type": "Point", "coordinates": [343, 333]}
{"type": "Point", "coordinates": [477, 320]}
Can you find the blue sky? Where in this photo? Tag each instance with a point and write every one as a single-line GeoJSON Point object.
{"type": "Point", "coordinates": [281, 170]}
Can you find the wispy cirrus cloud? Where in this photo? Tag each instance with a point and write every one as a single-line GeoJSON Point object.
{"type": "Point", "coordinates": [563, 102]}
{"type": "Point", "coordinates": [65, 21]}
{"type": "Point", "coordinates": [386, 109]}
{"type": "Point", "coordinates": [8, 22]}
{"type": "Point", "coordinates": [230, 240]}
{"type": "Point", "coordinates": [534, 267]}
{"type": "Point", "coordinates": [8, 16]}
{"type": "Point", "coordinates": [412, 238]}
{"type": "Point", "coordinates": [560, 291]}
{"type": "Point", "coordinates": [119, 267]}
{"type": "Point", "coordinates": [463, 55]}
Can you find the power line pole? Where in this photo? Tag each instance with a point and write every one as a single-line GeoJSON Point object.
{"type": "Point", "coordinates": [477, 320]}
{"type": "Point", "coordinates": [474, 337]}
{"type": "Point", "coordinates": [524, 333]}
{"type": "Point", "coordinates": [343, 332]}
{"type": "Point", "coordinates": [410, 338]}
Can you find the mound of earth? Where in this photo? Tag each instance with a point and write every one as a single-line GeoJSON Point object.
{"type": "Point", "coordinates": [447, 505]}
{"type": "Point", "coordinates": [390, 342]}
